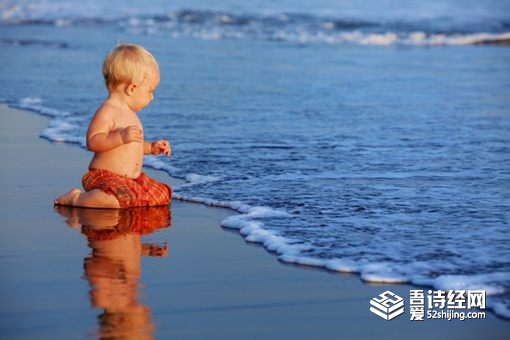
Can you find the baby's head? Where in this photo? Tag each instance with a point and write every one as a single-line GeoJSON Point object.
{"type": "Point", "coordinates": [127, 63]}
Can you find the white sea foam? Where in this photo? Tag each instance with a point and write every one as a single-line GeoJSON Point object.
{"type": "Point", "coordinates": [354, 37]}
{"type": "Point", "coordinates": [455, 39]}
{"type": "Point", "coordinates": [382, 273]}
{"type": "Point", "coordinates": [59, 130]}
{"type": "Point", "coordinates": [290, 251]}
{"type": "Point", "coordinates": [158, 164]}
{"type": "Point", "coordinates": [254, 231]}
{"type": "Point", "coordinates": [281, 27]}
{"type": "Point", "coordinates": [62, 125]}
{"type": "Point", "coordinates": [301, 260]}
{"type": "Point", "coordinates": [35, 104]}
{"type": "Point", "coordinates": [487, 282]}
{"type": "Point", "coordinates": [342, 266]}
{"type": "Point", "coordinates": [293, 251]}
{"type": "Point", "coordinates": [196, 178]}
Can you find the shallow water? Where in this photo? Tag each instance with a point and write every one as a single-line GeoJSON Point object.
{"type": "Point", "coordinates": [346, 136]}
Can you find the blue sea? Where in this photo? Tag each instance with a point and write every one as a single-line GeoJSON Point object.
{"type": "Point", "coordinates": [356, 136]}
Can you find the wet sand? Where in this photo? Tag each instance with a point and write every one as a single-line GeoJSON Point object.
{"type": "Point", "coordinates": [188, 280]}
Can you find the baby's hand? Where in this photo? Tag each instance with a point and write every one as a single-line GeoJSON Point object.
{"type": "Point", "coordinates": [131, 134]}
{"type": "Point", "coordinates": [161, 146]}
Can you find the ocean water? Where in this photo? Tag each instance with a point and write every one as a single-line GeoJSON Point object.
{"type": "Point", "coordinates": [357, 137]}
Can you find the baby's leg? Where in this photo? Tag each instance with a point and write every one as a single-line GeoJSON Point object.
{"type": "Point", "coordinates": [94, 198]}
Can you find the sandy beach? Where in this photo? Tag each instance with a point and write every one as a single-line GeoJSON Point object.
{"type": "Point", "coordinates": [210, 285]}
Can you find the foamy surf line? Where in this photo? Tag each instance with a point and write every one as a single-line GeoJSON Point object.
{"type": "Point", "coordinates": [289, 251]}
{"type": "Point", "coordinates": [61, 127]}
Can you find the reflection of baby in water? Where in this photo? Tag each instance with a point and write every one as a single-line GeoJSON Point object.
{"type": "Point", "coordinates": [114, 267]}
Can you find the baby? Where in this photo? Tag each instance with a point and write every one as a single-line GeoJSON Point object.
{"type": "Point", "coordinates": [115, 135]}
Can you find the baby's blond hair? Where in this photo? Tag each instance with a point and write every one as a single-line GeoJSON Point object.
{"type": "Point", "coordinates": [127, 63]}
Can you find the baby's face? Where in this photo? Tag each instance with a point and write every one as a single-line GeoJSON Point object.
{"type": "Point", "coordinates": [144, 92]}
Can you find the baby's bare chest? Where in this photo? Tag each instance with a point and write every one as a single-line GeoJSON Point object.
{"type": "Point", "coordinates": [127, 121]}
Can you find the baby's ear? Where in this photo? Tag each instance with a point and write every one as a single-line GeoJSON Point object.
{"type": "Point", "coordinates": [130, 89]}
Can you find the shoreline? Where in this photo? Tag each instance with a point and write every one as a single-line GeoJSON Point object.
{"type": "Point", "coordinates": [213, 283]}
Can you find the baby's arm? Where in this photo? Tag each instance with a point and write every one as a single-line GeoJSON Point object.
{"type": "Point", "coordinates": [101, 136]}
{"type": "Point", "coordinates": [158, 147]}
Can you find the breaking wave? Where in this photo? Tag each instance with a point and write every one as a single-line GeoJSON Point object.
{"type": "Point", "coordinates": [281, 27]}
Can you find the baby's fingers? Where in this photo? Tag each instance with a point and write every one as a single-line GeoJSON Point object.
{"type": "Point", "coordinates": [132, 134]}
{"type": "Point", "coordinates": [166, 148]}
{"type": "Point", "coordinates": [163, 146]}
{"type": "Point", "coordinates": [168, 151]}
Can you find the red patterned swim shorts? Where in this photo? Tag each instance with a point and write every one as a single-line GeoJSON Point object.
{"type": "Point", "coordinates": [130, 192]}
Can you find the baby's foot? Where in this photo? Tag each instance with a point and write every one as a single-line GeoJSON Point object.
{"type": "Point", "coordinates": [68, 198]}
